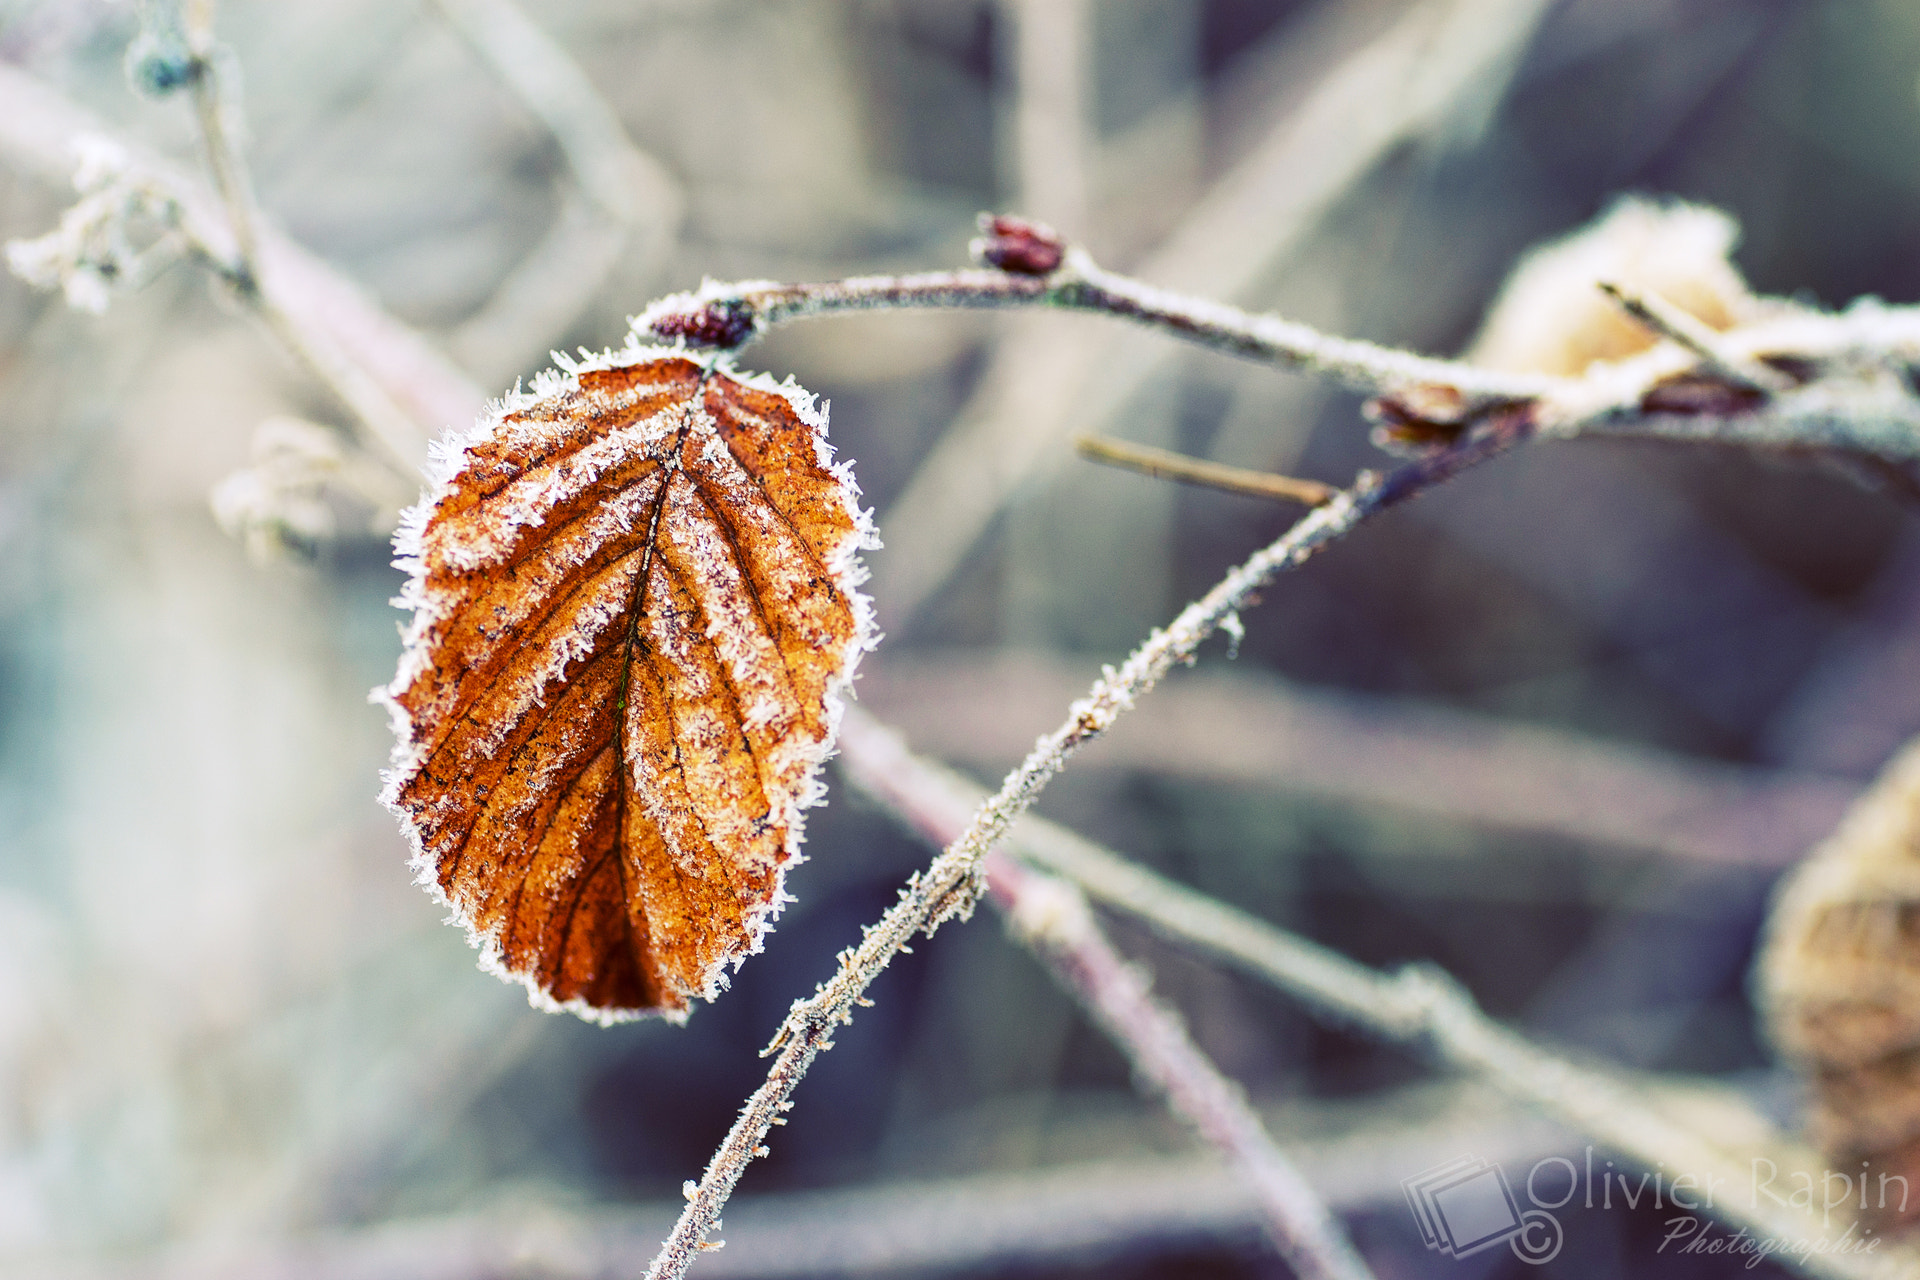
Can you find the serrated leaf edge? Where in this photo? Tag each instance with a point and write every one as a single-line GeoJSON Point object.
{"type": "Point", "coordinates": [447, 456]}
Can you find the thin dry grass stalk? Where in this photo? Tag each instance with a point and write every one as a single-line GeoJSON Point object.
{"type": "Point", "coordinates": [1167, 465]}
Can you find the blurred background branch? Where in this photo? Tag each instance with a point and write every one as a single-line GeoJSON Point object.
{"type": "Point", "coordinates": [1420, 1006]}
{"type": "Point", "coordinates": [1053, 918]}
{"type": "Point", "coordinates": [627, 193]}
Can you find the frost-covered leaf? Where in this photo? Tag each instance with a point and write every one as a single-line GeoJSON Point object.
{"type": "Point", "coordinates": [635, 604]}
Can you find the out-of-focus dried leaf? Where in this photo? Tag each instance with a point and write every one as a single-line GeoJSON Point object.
{"type": "Point", "coordinates": [1551, 316]}
{"type": "Point", "coordinates": [1839, 978]}
{"type": "Point", "coordinates": [635, 604]}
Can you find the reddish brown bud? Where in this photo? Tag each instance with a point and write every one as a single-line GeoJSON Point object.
{"type": "Point", "coordinates": [717, 324]}
{"type": "Point", "coordinates": [1019, 246]}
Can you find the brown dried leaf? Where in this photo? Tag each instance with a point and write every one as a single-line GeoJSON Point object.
{"type": "Point", "coordinates": [1839, 976]}
{"type": "Point", "coordinates": [635, 606]}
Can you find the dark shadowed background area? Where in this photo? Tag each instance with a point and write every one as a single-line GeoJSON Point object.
{"type": "Point", "coordinates": [1556, 727]}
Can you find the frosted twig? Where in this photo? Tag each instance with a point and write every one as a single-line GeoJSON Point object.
{"type": "Point", "coordinates": [1855, 399]}
{"type": "Point", "coordinates": [1053, 918]}
{"type": "Point", "coordinates": [214, 86]}
{"type": "Point", "coordinates": [730, 315]}
{"type": "Point", "coordinates": [952, 883]}
{"type": "Point", "coordinates": [1350, 101]}
{"type": "Point", "coordinates": [1420, 1006]}
{"type": "Point", "coordinates": [361, 346]}
{"type": "Point", "coordinates": [1165, 464]}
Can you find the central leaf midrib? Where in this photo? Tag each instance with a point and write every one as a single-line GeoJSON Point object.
{"type": "Point", "coordinates": [670, 470]}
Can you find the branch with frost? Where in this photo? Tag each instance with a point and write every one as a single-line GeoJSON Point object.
{"type": "Point", "coordinates": [1030, 266]}
{"type": "Point", "coordinates": [1839, 384]}
{"type": "Point", "coordinates": [40, 132]}
{"type": "Point", "coordinates": [397, 387]}
{"type": "Point", "coordinates": [121, 233]}
{"type": "Point", "coordinates": [1850, 396]}
{"type": "Point", "coordinates": [1052, 917]}
{"type": "Point", "coordinates": [1420, 1006]}
{"type": "Point", "coordinates": [128, 227]}
{"type": "Point", "coordinates": [950, 886]}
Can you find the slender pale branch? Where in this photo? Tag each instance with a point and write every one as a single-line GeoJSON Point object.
{"type": "Point", "coordinates": [1053, 918]}
{"type": "Point", "coordinates": [1052, 56]}
{"type": "Point", "coordinates": [216, 106]}
{"type": "Point", "coordinates": [379, 426]}
{"type": "Point", "coordinates": [1167, 465]}
{"type": "Point", "coordinates": [950, 886]}
{"type": "Point", "coordinates": [1420, 1006]}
